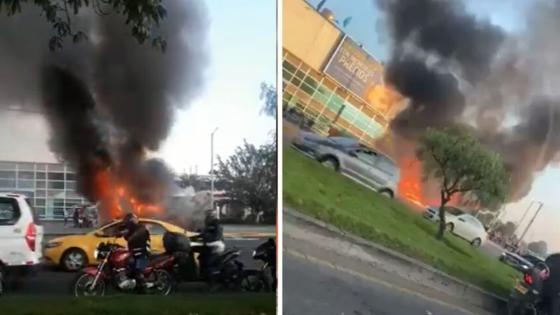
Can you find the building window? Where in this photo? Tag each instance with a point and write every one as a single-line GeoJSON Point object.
{"type": "Point", "coordinates": [28, 184]}
{"type": "Point", "coordinates": [70, 176]}
{"type": "Point", "coordinates": [39, 202]}
{"type": "Point", "coordinates": [55, 176]}
{"type": "Point", "coordinates": [40, 211]}
{"type": "Point", "coordinates": [56, 185]}
{"type": "Point", "coordinates": [70, 185]}
{"type": "Point", "coordinates": [40, 175]}
{"type": "Point", "coordinates": [7, 183]}
{"type": "Point", "coordinates": [26, 175]}
{"type": "Point", "coordinates": [8, 174]}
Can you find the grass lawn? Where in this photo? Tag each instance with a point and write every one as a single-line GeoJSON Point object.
{"type": "Point", "coordinates": [333, 198]}
{"type": "Point", "coordinates": [192, 304]}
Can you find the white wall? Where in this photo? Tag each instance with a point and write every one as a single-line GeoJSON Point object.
{"type": "Point", "coordinates": [24, 137]}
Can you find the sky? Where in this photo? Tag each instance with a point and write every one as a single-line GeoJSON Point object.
{"type": "Point", "coordinates": [367, 28]}
{"type": "Point", "coordinates": [242, 44]}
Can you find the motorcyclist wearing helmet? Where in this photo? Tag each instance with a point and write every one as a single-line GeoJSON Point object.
{"type": "Point", "coordinates": [213, 238]}
{"type": "Point", "coordinates": [138, 242]}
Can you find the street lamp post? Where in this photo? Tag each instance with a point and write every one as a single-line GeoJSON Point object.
{"type": "Point", "coordinates": [212, 171]}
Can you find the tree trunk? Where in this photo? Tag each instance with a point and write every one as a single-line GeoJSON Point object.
{"type": "Point", "coordinates": [441, 229]}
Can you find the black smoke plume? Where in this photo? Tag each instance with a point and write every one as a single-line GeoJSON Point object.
{"type": "Point", "coordinates": [455, 68]}
{"type": "Point", "coordinates": [436, 46]}
{"type": "Point", "coordinates": [109, 100]}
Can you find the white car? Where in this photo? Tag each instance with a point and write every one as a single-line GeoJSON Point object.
{"type": "Point", "coordinates": [20, 235]}
{"type": "Point", "coordinates": [432, 213]}
{"type": "Point", "coordinates": [467, 227]}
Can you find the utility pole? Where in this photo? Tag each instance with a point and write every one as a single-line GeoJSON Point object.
{"type": "Point", "coordinates": [212, 171]}
{"type": "Point", "coordinates": [531, 222]}
{"type": "Point", "coordinates": [523, 217]}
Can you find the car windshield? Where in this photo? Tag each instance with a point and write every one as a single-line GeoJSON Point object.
{"type": "Point", "coordinates": [532, 259]}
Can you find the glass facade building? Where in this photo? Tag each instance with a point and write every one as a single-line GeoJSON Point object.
{"type": "Point", "coordinates": [51, 187]}
{"type": "Point", "coordinates": [331, 83]}
{"type": "Point", "coordinates": [326, 103]}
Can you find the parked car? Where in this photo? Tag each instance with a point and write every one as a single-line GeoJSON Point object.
{"type": "Point", "coordinates": [467, 227]}
{"type": "Point", "coordinates": [20, 236]}
{"type": "Point", "coordinates": [522, 263]}
{"type": "Point", "coordinates": [347, 156]}
{"type": "Point", "coordinates": [74, 252]}
{"type": "Point", "coordinates": [432, 213]}
{"type": "Point", "coordinates": [308, 142]}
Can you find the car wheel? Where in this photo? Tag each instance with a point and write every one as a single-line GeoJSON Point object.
{"type": "Point", "coordinates": [330, 163]}
{"type": "Point", "coordinates": [74, 259]}
{"type": "Point", "coordinates": [386, 193]}
{"type": "Point", "coordinates": [449, 227]}
{"type": "Point", "coordinates": [476, 242]}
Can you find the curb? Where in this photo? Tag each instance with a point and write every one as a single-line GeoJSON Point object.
{"type": "Point", "coordinates": [469, 292]}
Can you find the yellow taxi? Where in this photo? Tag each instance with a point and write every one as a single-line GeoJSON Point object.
{"type": "Point", "coordinates": [73, 252]}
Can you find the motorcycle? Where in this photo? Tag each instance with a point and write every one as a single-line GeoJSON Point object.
{"type": "Point", "coordinates": [526, 297]}
{"type": "Point", "coordinates": [218, 267]}
{"type": "Point", "coordinates": [263, 279]}
{"type": "Point", "coordinates": [114, 269]}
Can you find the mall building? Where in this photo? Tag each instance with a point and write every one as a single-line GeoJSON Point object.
{"type": "Point", "coordinates": [330, 80]}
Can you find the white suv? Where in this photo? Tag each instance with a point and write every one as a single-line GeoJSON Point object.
{"type": "Point", "coordinates": [20, 235]}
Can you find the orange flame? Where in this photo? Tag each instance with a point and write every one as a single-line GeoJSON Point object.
{"type": "Point", "coordinates": [416, 191]}
{"type": "Point", "coordinates": [116, 199]}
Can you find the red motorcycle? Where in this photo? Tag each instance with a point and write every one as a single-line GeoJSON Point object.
{"type": "Point", "coordinates": [114, 270]}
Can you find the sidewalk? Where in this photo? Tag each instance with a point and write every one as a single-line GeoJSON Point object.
{"type": "Point", "coordinates": [57, 228]}
{"type": "Point", "coordinates": [319, 241]}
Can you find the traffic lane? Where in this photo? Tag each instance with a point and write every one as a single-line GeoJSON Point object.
{"type": "Point", "coordinates": [51, 280]}
{"type": "Point", "coordinates": [311, 288]}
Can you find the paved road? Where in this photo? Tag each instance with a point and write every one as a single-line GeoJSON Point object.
{"type": "Point", "coordinates": [312, 287]}
{"type": "Point", "coordinates": [49, 280]}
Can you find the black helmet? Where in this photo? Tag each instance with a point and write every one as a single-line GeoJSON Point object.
{"type": "Point", "coordinates": [210, 217]}
{"type": "Point", "coordinates": [129, 218]}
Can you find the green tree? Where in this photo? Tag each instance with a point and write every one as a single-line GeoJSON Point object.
{"type": "Point", "coordinates": [142, 16]}
{"type": "Point", "coordinates": [539, 248]}
{"type": "Point", "coordinates": [457, 159]}
{"type": "Point", "coordinates": [249, 176]}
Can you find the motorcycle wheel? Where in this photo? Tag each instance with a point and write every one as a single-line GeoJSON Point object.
{"type": "Point", "coordinates": [163, 284]}
{"type": "Point", "coordinates": [83, 286]}
{"type": "Point", "coordinates": [253, 281]}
